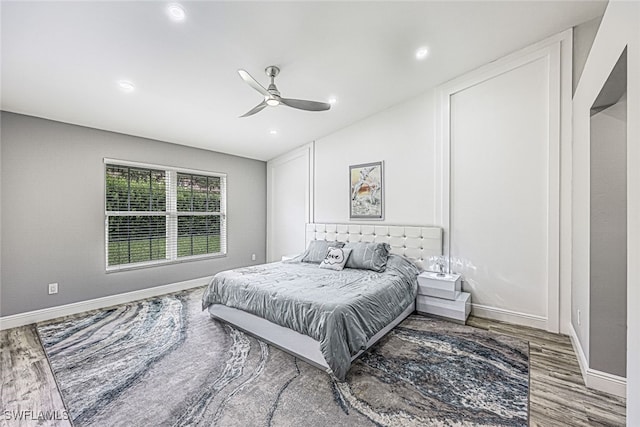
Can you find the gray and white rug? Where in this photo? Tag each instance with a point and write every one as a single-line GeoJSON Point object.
{"type": "Point", "coordinates": [164, 362]}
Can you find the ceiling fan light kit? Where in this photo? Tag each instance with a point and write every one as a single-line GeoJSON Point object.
{"type": "Point", "coordinates": [272, 96]}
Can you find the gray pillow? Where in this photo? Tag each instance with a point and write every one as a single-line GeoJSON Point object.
{"type": "Point", "coordinates": [368, 256]}
{"type": "Point", "coordinates": [403, 265]}
{"type": "Point", "coordinates": [317, 250]}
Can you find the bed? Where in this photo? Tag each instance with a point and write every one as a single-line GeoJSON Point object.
{"type": "Point", "coordinates": [325, 317]}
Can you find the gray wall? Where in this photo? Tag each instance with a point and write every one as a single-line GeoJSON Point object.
{"type": "Point", "coordinates": [608, 251]}
{"type": "Point", "coordinates": [52, 179]}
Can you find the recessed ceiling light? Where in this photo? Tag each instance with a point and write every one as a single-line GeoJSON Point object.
{"type": "Point", "coordinates": [273, 132]}
{"type": "Point", "coordinates": [126, 86]}
{"type": "Point", "coordinates": [332, 100]}
{"type": "Point", "coordinates": [176, 12]}
{"type": "Point", "coordinates": [422, 53]}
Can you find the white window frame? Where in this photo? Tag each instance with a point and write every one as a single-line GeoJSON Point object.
{"type": "Point", "coordinates": [171, 213]}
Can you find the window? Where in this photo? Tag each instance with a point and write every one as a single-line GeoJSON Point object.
{"type": "Point", "coordinates": [158, 214]}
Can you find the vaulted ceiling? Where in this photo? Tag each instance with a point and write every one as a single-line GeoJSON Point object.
{"type": "Point", "coordinates": [62, 61]}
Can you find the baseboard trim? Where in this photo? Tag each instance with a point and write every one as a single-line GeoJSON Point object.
{"type": "Point", "coordinates": [21, 319]}
{"type": "Point", "coordinates": [577, 349]}
{"type": "Point", "coordinates": [509, 316]}
{"type": "Point", "coordinates": [598, 380]}
{"type": "Point", "coordinates": [609, 383]}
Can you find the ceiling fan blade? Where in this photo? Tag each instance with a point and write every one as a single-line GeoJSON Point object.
{"type": "Point", "coordinates": [253, 82]}
{"type": "Point", "coordinates": [301, 104]}
{"type": "Point", "coordinates": [255, 109]}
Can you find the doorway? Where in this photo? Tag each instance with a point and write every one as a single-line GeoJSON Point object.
{"type": "Point", "coordinates": [608, 225]}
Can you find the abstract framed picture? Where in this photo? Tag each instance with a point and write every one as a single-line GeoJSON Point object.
{"type": "Point", "coordinates": [366, 198]}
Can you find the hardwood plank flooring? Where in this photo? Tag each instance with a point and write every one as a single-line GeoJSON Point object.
{"type": "Point", "coordinates": [28, 395]}
{"type": "Point", "coordinates": [558, 396]}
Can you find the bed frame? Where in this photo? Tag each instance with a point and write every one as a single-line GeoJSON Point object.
{"type": "Point", "coordinates": [415, 242]}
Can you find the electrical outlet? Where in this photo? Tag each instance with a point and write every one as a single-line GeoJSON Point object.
{"type": "Point", "coordinates": [579, 317]}
{"type": "Point", "coordinates": [253, 257]}
{"type": "Point", "coordinates": [53, 288]}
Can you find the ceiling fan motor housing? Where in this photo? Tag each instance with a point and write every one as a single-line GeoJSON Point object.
{"type": "Point", "coordinates": [272, 71]}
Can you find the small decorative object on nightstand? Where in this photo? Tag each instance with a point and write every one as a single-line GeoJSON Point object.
{"type": "Point", "coordinates": [440, 294]}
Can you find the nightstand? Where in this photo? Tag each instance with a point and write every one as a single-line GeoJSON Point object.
{"type": "Point", "coordinates": [441, 295]}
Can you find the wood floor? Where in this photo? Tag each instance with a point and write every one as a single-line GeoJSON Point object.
{"type": "Point", "coordinates": [558, 396]}
{"type": "Point", "coordinates": [28, 389]}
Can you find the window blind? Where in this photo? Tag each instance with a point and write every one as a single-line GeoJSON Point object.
{"type": "Point", "coordinates": [159, 214]}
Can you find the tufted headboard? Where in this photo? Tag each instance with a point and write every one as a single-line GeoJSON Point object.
{"type": "Point", "coordinates": [415, 242]}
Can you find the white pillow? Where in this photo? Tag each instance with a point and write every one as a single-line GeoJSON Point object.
{"type": "Point", "coordinates": [335, 259]}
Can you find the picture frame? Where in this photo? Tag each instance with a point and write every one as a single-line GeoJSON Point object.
{"type": "Point", "coordinates": [366, 191]}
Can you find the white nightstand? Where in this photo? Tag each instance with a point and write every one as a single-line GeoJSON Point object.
{"type": "Point", "coordinates": [441, 295]}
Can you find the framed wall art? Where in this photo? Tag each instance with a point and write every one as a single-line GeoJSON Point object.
{"type": "Point", "coordinates": [366, 198]}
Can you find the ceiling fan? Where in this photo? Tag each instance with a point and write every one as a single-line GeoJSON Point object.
{"type": "Point", "coordinates": [272, 96]}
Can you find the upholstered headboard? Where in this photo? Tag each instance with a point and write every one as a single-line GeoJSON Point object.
{"type": "Point", "coordinates": [415, 242]}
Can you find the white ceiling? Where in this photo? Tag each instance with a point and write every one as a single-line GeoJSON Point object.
{"type": "Point", "coordinates": [61, 61]}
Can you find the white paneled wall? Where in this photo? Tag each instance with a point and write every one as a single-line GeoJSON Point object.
{"type": "Point", "coordinates": [499, 190]}
{"type": "Point", "coordinates": [510, 170]}
{"type": "Point", "coordinates": [402, 136]}
{"type": "Point", "coordinates": [289, 186]}
{"type": "Point", "coordinates": [502, 181]}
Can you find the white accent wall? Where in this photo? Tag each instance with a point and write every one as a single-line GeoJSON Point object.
{"type": "Point", "coordinates": [509, 141]}
{"type": "Point", "coordinates": [401, 136]}
{"type": "Point", "coordinates": [499, 190]}
{"type": "Point", "coordinates": [503, 129]}
{"type": "Point", "coordinates": [289, 182]}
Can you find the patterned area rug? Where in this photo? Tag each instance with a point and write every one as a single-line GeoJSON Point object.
{"type": "Point", "coordinates": [163, 361]}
